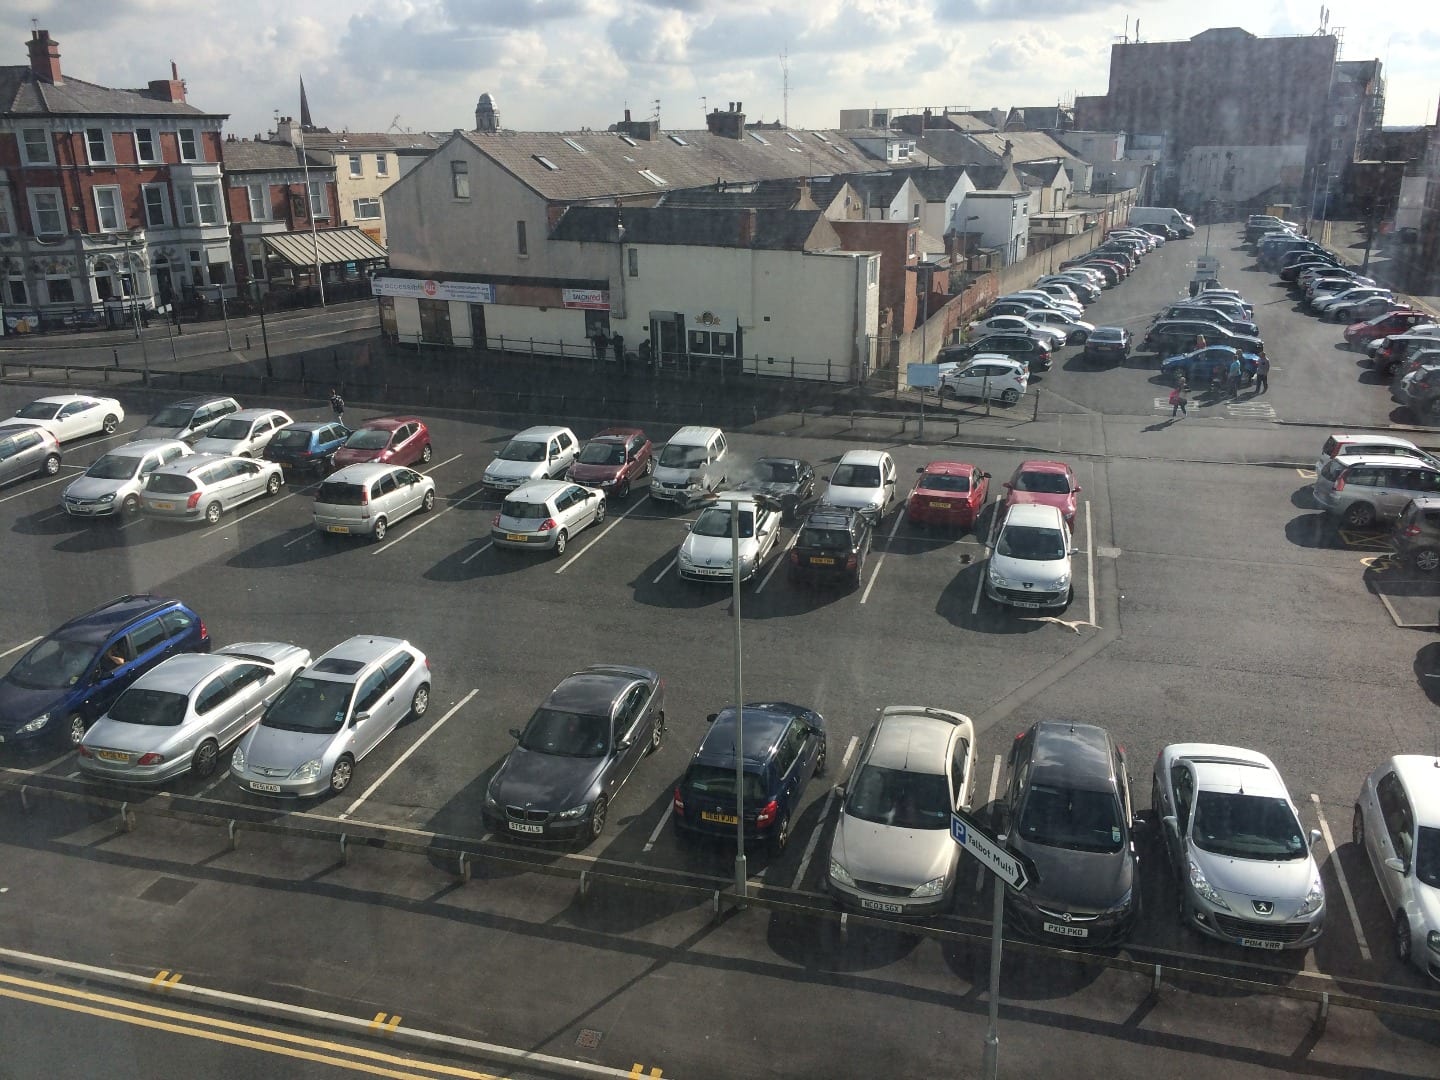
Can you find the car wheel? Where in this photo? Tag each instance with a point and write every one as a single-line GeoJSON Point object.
{"type": "Point", "coordinates": [657, 734]}
{"type": "Point", "coordinates": [74, 729]}
{"type": "Point", "coordinates": [244, 454]}
{"type": "Point", "coordinates": [420, 703]}
{"type": "Point", "coordinates": [426, 454]}
{"type": "Point", "coordinates": [378, 532]}
{"type": "Point", "coordinates": [1011, 396]}
{"type": "Point", "coordinates": [1357, 828]}
{"type": "Point", "coordinates": [1402, 937]}
{"type": "Point", "coordinates": [130, 506]}
{"type": "Point", "coordinates": [342, 774]}
{"type": "Point", "coordinates": [206, 756]}
{"type": "Point", "coordinates": [560, 541]}
{"type": "Point", "coordinates": [781, 836]}
{"type": "Point", "coordinates": [1343, 315]}
{"type": "Point", "coordinates": [820, 761]}
{"type": "Point", "coordinates": [600, 511]}
{"type": "Point", "coordinates": [428, 502]}
{"type": "Point", "coordinates": [1426, 560]}
{"type": "Point", "coordinates": [51, 465]}
{"type": "Point", "coordinates": [111, 424]}
{"type": "Point", "coordinates": [1078, 338]}
{"type": "Point", "coordinates": [1431, 409]}
{"type": "Point", "coordinates": [623, 490]}
{"type": "Point", "coordinates": [212, 513]}
{"type": "Point", "coordinates": [1359, 515]}
{"type": "Point", "coordinates": [272, 486]}
{"type": "Point", "coordinates": [598, 815]}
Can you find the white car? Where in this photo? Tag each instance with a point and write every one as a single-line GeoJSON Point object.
{"type": "Point", "coordinates": [243, 434]}
{"type": "Point", "coordinates": [1046, 300]}
{"type": "Point", "coordinates": [70, 416]}
{"type": "Point", "coordinates": [1017, 324]}
{"type": "Point", "coordinates": [864, 480]}
{"type": "Point", "coordinates": [1076, 331]}
{"type": "Point", "coordinates": [985, 375]}
{"type": "Point", "coordinates": [706, 551]}
{"type": "Point", "coordinates": [1397, 825]}
{"type": "Point", "coordinates": [1030, 566]}
{"type": "Point", "coordinates": [546, 514]}
{"type": "Point", "coordinates": [1327, 304]}
{"type": "Point", "coordinates": [537, 453]}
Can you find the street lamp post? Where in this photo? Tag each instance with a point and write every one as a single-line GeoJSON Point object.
{"type": "Point", "coordinates": [264, 337]}
{"type": "Point", "coordinates": [135, 276]}
{"type": "Point", "coordinates": [742, 876]}
{"type": "Point", "coordinates": [310, 206]}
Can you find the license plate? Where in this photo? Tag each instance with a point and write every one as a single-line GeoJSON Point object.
{"type": "Point", "coordinates": [520, 826]}
{"type": "Point", "coordinates": [337, 528]}
{"type": "Point", "coordinates": [723, 819]}
{"type": "Point", "coordinates": [1065, 931]}
{"type": "Point", "coordinates": [1024, 604]}
{"type": "Point", "coordinates": [256, 785]}
{"type": "Point", "coordinates": [112, 755]}
{"type": "Point", "coordinates": [1257, 943]}
{"type": "Point", "coordinates": [876, 905]}
{"type": "Point", "coordinates": [940, 505]}
{"type": "Point", "coordinates": [519, 538]}
{"type": "Point", "coordinates": [821, 560]}
{"type": "Point", "coordinates": [163, 505]}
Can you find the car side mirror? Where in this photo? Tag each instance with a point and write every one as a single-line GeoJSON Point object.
{"type": "Point", "coordinates": [360, 717]}
{"type": "Point", "coordinates": [1172, 823]}
{"type": "Point", "coordinates": [1398, 865]}
{"type": "Point", "coordinates": [1314, 837]}
{"type": "Point", "coordinates": [984, 476]}
{"type": "Point", "coordinates": [623, 744]}
{"type": "Point", "coordinates": [1007, 485]}
{"type": "Point", "coordinates": [710, 719]}
{"type": "Point", "coordinates": [1078, 489]}
{"type": "Point", "coordinates": [1139, 826]}
{"type": "Point", "coordinates": [515, 733]}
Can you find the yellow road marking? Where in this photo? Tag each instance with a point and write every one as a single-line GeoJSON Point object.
{"type": "Point", "coordinates": [165, 980]}
{"type": "Point", "coordinates": [637, 1071]}
{"type": "Point", "coordinates": [1306, 474]}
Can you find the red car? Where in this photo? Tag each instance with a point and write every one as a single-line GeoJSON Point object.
{"type": "Point", "coordinates": [612, 460]}
{"type": "Point", "coordinates": [1391, 322]}
{"type": "Point", "coordinates": [393, 440]}
{"type": "Point", "coordinates": [1051, 483]}
{"type": "Point", "coordinates": [948, 493]}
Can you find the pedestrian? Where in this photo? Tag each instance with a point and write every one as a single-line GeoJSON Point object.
{"type": "Point", "coordinates": [1178, 402]}
{"type": "Point", "coordinates": [337, 405]}
{"type": "Point", "coordinates": [1235, 376]}
{"type": "Point", "coordinates": [646, 353]}
{"type": "Point", "coordinates": [1262, 372]}
{"type": "Point", "coordinates": [617, 342]}
{"type": "Point", "coordinates": [600, 341]}
{"type": "Point", "coordinates": [1199, 342]}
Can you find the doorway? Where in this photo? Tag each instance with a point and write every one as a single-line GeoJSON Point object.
{"type": "Point", "coordinates": [667, 331]}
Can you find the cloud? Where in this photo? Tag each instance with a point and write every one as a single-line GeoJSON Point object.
{"type": "Point", "coordinates": [1005, 10]}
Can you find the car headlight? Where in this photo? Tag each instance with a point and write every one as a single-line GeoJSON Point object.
{"type": "Point", "coordinates": [491, 802]}
{"type": "Point", "coordinates": [1063, 581]}
{"type": "Point", "coordinates": [36, 724]}
{"type": "Point", "coordinates": [998, 581]}
{"type": "Point", "coordinates": [308, 771]}
{"type": "Point", "coordinates": [1204, 889]}
{"type": "Point", "coordinates": [1432, 939]}
{"type": "Point", "coordinates": [685, 559]}
{"type": "Point", "coordinates": [237, 760]}
{"type": "Point", "coordinates": [840, 874]}
{"type": "Point", "coordinates": [1314, 898]}
{"type": "Point", "coordinates": [108, 498]}
{"type": "Point", "coordinates": [1122, 904]}
{"type": "Point", "coordinates": [574, 812]}
{"type": "Point", "coordinates": [933, 887]}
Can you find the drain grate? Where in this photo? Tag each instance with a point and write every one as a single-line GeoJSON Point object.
{"type": "Point", "coordinates": [589, 1038]}
{"type": "Point", "coordinates": [167, 890]}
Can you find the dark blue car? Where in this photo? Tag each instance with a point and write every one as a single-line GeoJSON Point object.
{"type": "Point", "coordinates": [67, 681]}
{"type": "Point", "coordinates": [1199, 366]}
{"type": "Point", "coordinates": [784, 748]}
{"type": "Point", "coordinates": [308, 447]}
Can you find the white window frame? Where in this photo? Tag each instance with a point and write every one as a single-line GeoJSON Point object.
{"type": "Point", "coordinates": [107, 149]}
{"type": "Point", "coordinates": [7, 213]}
{"type": "Point", "coordinates": [194, 139]}
{"type": "Point", "coordinates": [68, 281]}
{"type": "Point", "coordinates": [108, 201]}
{"type": "Point", "coordinates": [25, 147]}
{"type": "Point", "coordinates": [357, 166]}
{"type": "Point", "coordinates": [459, 179]}
{"type": "Point", "coordinates": [153, 138]}
{"type": "Point", "coordinates": [145, 193]}
{"type": "Point", "coordinates": [319, 204]}
{"type": "Point", "coordinates": [189, 208]}
{"type": "Point", "coordinates": [382, 165]}
{"type": "Point", "coordinates": [257, 195]}
{"type": "Point", "coordinates": [36, 213]}
{"type": "Point", "coordinates": [216, 205]}
{"type": "Point", "coordinates": [369, 202]}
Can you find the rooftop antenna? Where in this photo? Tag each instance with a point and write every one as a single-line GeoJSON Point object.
{"type": "Point", "coordinates": [785, 84]}
{"type": "Point", "coordinates": [655, 105]}
{"type": "Point", "coordinates": [1127, 29]}
{"type": "Point", "coordinates": [705, 108]}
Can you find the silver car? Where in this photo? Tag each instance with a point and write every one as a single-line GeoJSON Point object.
{"type": "Point", "coordinates": [111, 486]}
{"type": "Point", "coordinates": [181, 714]}
{"type": "Point", "coordinates": [30, 451]}
{"type": "Point", "coordinates": [365, 500]}
{"type": "Point", "coordinates": [546, 514]}
{"type": "Point", "coordinates": [892, 853]}
{"type": "Point", "coordinates": [243, 434]}
{"type": "Point", "coordinates": [1363, 490]}
{"type": "Point", "coordinates": [334, 713]}
{"type": "Point", "coordinates": [201, 487]}
{"type": "Point", "coordinates": [1234, 841]}
{"type": "Point", "coordinates": [188, 420]}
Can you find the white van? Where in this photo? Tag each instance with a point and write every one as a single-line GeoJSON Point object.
{"type": "Point", "coordinates": [1162, 215]}
{"type": "Point", "coordinates": [691, 465]}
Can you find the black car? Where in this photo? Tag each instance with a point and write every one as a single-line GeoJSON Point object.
{"type": "Point", "coordinates": [1162, 231]}
{"type": "Point", "coordinates": [1217, 313]}
{"type": "Point", "coordinates": [784, 748]}
{"type": "Point", "coordinates": [1417, 534]}
{"type": "Point", "coordinates": [1016, 346]}
{"type": "Point", "coordinates": [1171, 336]}
{"type": "Point", "coordinates": [789, 481]}
{"type": "Point", "coordinates": [68, 680]}
{"type": "Point", "coordinates": [578, 749]}
{"type": "Point", "coordinates": [832, 545]}
{"type": "Point", "coordinates": [1068, 809]}
{"type": "Point", "coordinates": [1108, 342]}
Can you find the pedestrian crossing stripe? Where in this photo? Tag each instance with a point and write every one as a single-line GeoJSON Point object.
{"type": "Point", "coordinates": [1250, 409]}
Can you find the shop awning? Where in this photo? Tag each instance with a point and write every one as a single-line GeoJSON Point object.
{"type": "Point", "coordinates": [335, 245]}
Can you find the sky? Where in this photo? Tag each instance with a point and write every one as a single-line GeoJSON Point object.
{"type": "Point", "coordinates": [562, 65]}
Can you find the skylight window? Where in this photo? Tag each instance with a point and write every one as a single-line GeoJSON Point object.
{"type": "Point", "coordinates": [792, 136]}
{"type": "Point", "coordinates": [678, 141]}
{"type": "Point", "coordinates": [546, 162]}
{"type": "Point", "coordinates": [821, 136]}
{"type": "Point", "coordinates": [840, 150]}
{"type": "Point", "coordinates": [658, 181]}
{"type": "Point", "coordinates": [757, 137]}
{"type": "Point", "coordinates": [574, 145]}
{"type": "Point", "coordinates": [794, 150]}
{"type": "Point", "coordinates": [629, 140]}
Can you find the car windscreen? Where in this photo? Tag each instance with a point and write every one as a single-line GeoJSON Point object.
{"type": "Point", "coordinates": [1030, 542]}
{"type": "Point", "coordinates": [569, 734]}
{"type": "Point", "coordinates": [524, 511]}
{"type": "Point", "coordinates": [291, 439]}
{"type": "Point", "coordinates": [777, 472]}
{"type": "Point", "coordinates": [54, 664]}
{"type": "Point", "coordinates": [369, 439]}
{"type": "Point", "coordinates": [230, 429]}
{"type": "Point", "coordinates": [814, 539]}
{"type": "Point", "coordinates": [173, 416]}
{"type": "Point", "coordinates": [114, 467]}
{"type": "Point", "coordinates": [861, 476]}
{"type": "Point", "coordinates": [715, 521]}
{"type": "Point", "coordinates": [522, 450]}
{"type": "Point", "coordinates": [945, 482]}
{"type": "Point", "coordinates": [1107, 335]}
{"type": "Point", "coordinates": [903, 800]}
{"type": "Point", "coordinates": [1427, 856]}
{"type": "Point", "coordinates": [1077, 818]}
{"type": "Point", "coordinates": [602, 453]}
{"type": "Point", "coordinates": [312, 705]}
{"type": "Point", "coordinates": [153, 708]}
{"type": "Point", "coordinates": [1246, 826]}
{"type": "Point", "coordinates": [164, 483]}
{"type": "Point", "coordinates": [337, 493]}
{"type": "Point", "coordinates": [718, 781]}
{"type": "Point", "coordinates": [682, 456]}
{"type": "Point", "coordinates": [1046, 483]}
{"type": "Point", "coordinates": [38, 410]}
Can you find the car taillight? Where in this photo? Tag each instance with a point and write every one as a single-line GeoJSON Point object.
{"type": "Point", "coordinates": [364, 496]}
{"type": "Point", "coordinates": [85, 751]}
{"type": "Point", "coordinates": [204, 633]}
{"type": "Point", "coordinates": [767, 814]}
{"type": "Point", "coordinates": [193, 501]}
{"type": "Point", "coordinates": [150, 759]}
{"type": "Point", "coordinates": [678, 804]}
{"type": "Point", "coordinates": [1410, 530]}
{"type": "Point", "coordinates": [548, 524]}
{"type": "Point", "coordinates": [1340, 482]}
{"type": "Point", "coordinates": [496, 521]}
{"type": "Point", "coordinates": [794, 557]}
{"type": "Point", "coordinates": [851, 563]}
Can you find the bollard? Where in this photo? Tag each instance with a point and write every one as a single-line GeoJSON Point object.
{"type": "Point", "coordinates": [802, 417]}
{"type": "Point", "coordinates": [247, 342]}
{"type": "Point", "coordinates": [464, 866]}
{"type": "Point", "coordinates": [1323, 1013]}
{"type": "Point", "coordinates": [584, 884]}
{"type": "Point", "coordinates": [24, 798]}
{"type": "Point", "coordinates": [844, 927]}
{"type": "Point", "coordinates": [233, 829]}
{"type": "Point", "coordinates": [127, 819]}
{"type": "Point", "coordinates": [1155, 982]}
{"type": "Point", "coordinates": [1035, 414]}
{"type": "Point", "coordinates": [715, 905]}
{"type": "Point", "coordinates": [344, 850]}
{"type": "Point", "coordinates": [116, 354]}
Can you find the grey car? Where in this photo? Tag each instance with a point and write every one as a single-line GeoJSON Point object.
{"type": "Point", "coordinates": [202, 487]}
{"type": "Point", "coordinates": [1363, 490]}
{"type": "Point", "coordinates": [181, 714]}
{"type": "Point", "coordinates": [243, 434]}
{"type": "Point", "coordinates": [111, 486]}
{"type": "Point", "coordinates": [188, 420]}
{"type": "Point", "coordinates": [365, 500]}
{"type": "Point", "coordinates": [331, 716]}
{"type": "Point", "coordinates": [28, 451]}
{"type": "Point", "coordinates": [1242, 863]}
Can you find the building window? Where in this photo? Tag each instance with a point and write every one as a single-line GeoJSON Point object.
{"type": "Point", "coordinates": [711, 343]}
{"type": "Point", "coordinates": [318, 209]}
{"type": "Point", "coordinates": [460, 179]}
{"type": "Point", "coordinates": [382, 165]}
{"type": "Point", "coordinates": [357, 165]}
{"type": "Point", "coordinates": [366, 209]}
{"type": "Point", "coordinates": [435, 322]}
{"type": "Point", "coordinates": [872, 275]}
{"type": "Point", "coordinates": [910, 243]}
{"type": "Point", "coordinates": [145, 144]}
{"type": "Point", "coordinates": [46, 216]}
{"type": "Point", "coordinates": [207, 200]}
{"type": "Point", "coordinates": [257, 269]}
{"type": "Point", "coordinates": [186, 195]}
{"type": "Point", "coordinates": [108, 210]}
{"type": "Point", "coordinates": [633, 261]}
{"type": "Point", "coordinates": [7, 213]}
{"type": "Point", "coordinates": [35, 146]}
{"type": "Point", "coordinates": [259, 199]}
{"type": "Point", "coordinates": [521, 247]}
{"type": "Point", "coordinates": [157, 210]}
{"type": "Point", "coordinates": [60, 290]}
{"type": "Point", "coordinates": [19, 295]}
{"type": "Point", "coordinates": [97, 145]}
{"type": "Point", "coordinates": [189, 145]}
{"type": "Point", "coordinates": [915, 212]}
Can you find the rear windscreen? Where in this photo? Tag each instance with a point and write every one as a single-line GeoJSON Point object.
{"type": "Point", "coordinates": [824, 539]}
{"type": "Point", "coordinates": [340, 494]}
{"type": "Point", "coordinates": [524, 511]}
{"type": "Point", "coordinates": [169, 484]}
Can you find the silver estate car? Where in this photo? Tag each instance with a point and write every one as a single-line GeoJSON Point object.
{"type": "Point", "coordinates": [1234, 841]}
{"type": "Point", "coordinates": [181, 714]}
{"type": "Point", "coordinates": [201, 487]}
{"type": "Point", "coordinates": [334, 713]}
{"type": "Point", "coordinates": [366, 499]}
{"type": "Point", "coordinates": [892, 853]}
{"type": "Point", "coordinates": [111, 486]}
{"type": "Point", "coordinates": [1363, 490]}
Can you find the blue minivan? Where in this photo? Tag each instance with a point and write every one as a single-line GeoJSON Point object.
{"type": "Point", "coordinates": [784, 748]}
{"type": "Point", "coordinates": [69, 678]}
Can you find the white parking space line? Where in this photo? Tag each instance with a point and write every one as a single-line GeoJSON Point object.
{"type": "Point", "coordinates": [989, 543]}
{"type": "Point", "coordinates": [603, 533]}
{"type": "Point", "coordinates": [775, 564]}
{"type": "Point", "coordinates": [1090, 561]}
{"type": "Point", "coordinates": [824, 817]}
{"type": "Point", "coordinates": [447, 461]}
{"type": "Point", "coordinates": [225, 523]}
{"type": "Point", "coordinates": [406, 755]}
{"type": "Point", "coordinates": [430, 520]}
{"type": "Point", "coordinates": [899, 517]}
{"type": "Point", "coordinates": [668, 567]}
{"type": "Point", "coordinates": [17, 648]}
{"type": "Point", "coordinates": [221, 777]}
{"type": "Point", "coordinates": [1344, 883]}
{"type": "Point", "coordinates": [478, 552]}
{"type": "Point", "coordinates": [665, 817]}
{"type": "Point", "coordinates": [994, 790]}
{"type": "Point", "coordinates": [306, 535]}
{"type": "Point", "coordinates": [35, 487]}
{"type": "Point", "coordinates": [52, 515]}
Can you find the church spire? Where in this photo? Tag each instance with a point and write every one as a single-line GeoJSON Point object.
{"type": "Point", "coordinates": [306, 123]}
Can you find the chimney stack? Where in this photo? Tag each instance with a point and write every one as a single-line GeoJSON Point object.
{"type": "Point", "coordinates": [649, 130]}
{"type": "Point", "coordinates": [171, 89]}
{"type": "Point", "coordinates": [44, 57]}
{"type": "Point", "coordinates": [730, 123]}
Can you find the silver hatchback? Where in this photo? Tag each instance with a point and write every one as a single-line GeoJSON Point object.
{"type": "Point", "coordinates": [243, 434]}
{"type": "Point", "coordinates": [365, 500]}
{"type": "Point", "coordinates": [201, 487]}
{"type": "Point", "coordinates": [1363, 490]}
{"type": "Point", "coordinates": [111, 486]}
{"type": "Point", "coordinates": [29, 451]}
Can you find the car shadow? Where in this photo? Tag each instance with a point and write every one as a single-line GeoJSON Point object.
{"type": "Point", "coordinates": [1317, 531]}
{"type": "Point", "coordinates": [1303, 498]}
{"type": "Point", "coordinates": [660, 585]}
{"type": "Point", "coordinates": [1427, 671]}
{"type": "Point", "coordinates": [297, 546]}
{"type": "Point", "coordinates": [482, 559]}
{"type": "Point", "coordinates": [957, 606]}
{"type": "Point", "coordinates": [54, 521]}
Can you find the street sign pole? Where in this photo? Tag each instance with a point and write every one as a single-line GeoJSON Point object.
{"type": "Point", "coordinates": [991, 1068]}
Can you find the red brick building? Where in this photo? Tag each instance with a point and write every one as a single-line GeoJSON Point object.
{"type": "Point", "coordinates": [110, 199]}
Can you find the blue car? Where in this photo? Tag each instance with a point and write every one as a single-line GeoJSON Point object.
{"type": "Point", "coordinates": [67, 681]}
{"type": "Point", "coordinates": [308, 447]}
{"type": "Point", "coordinates": [784, 748]}
{"type": "Point", "coordinates": [1199, 366]}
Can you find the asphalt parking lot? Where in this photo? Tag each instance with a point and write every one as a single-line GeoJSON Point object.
{"type": "Point", "coordinates": [1213, 602]}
